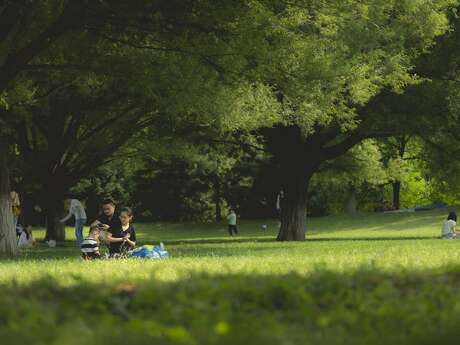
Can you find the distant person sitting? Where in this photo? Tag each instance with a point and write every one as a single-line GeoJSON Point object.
{"type": "Point", "coordinates": [232, 227]}
{"type": "Point", "coordinates": [90, 245]}
{"type": "Point", "coordinates": [122, 239]}
{"type": "Point", "coordinates": [77, 210]}
{"type": "Point", "coordinates": [25, 239]}
{"type": "Point", "coordinates": [449, 227]}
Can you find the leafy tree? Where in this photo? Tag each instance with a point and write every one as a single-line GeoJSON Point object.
{"type": "Point", "coordinates": [27, 28]}
{"type": "Point", "coordinates": [84, 98]}
{"type": "Point", "coordinates": [324, 70]}
{"type": "Point", "coordinates": [190, 173]}
{"type": "Point", "coordinates": [347, 181]}
{"type": "Point", "coordinates": [395, 156]}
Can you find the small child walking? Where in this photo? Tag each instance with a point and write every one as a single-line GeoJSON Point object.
{"type": "Point", "coordinates": [232, 227]}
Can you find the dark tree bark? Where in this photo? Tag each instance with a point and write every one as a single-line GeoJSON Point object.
{"type": "Point", "coordinates": [12, 66]}
{"type": "Point", "coordinates": [55, 188]}
{"type": "Point", "coordinates": [294, 209]}
{"type": "Point", "coordinates": [288, 145]}
{"type": "Point", "coordinates": [55, 230]}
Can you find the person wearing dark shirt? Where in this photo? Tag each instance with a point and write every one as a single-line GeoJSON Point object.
{"type": "Point", "coordinates": [109, 215]}
{"type": "Point", "coordinates": [109, 218]}
{"type": "Point", "coordinates": [123, 238]}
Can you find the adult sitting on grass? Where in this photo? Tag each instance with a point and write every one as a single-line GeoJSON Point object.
{"type": "Point", "coordinates": [122, 239]}
{"type": "Point", "coordinates": [109, 215]}
{"type": "Point", "coordinates": [449, 227]}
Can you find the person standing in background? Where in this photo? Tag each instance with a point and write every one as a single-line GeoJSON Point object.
{"type": "Point", "coordinates": [16, 205]}
{"type": "Point", "coordinates": [232, 227]}
{"type": "Point", "coordinates": [77, 210]}
{"type": "Point", "coordinates": [279, 205]}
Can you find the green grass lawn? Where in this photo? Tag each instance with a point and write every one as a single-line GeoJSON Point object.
{"type": "Point", "coordinates": [365, 279]}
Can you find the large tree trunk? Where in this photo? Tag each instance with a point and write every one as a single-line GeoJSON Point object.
{"type": "Point", "coordinates": [55, 230]}
{"type": "Point", "coordinates": [54, 193]}
{"type": "Point", "coordinates": [8, 242]}
{"type": "Point", "coordinates": [297, 161]}
{"type": "Point", "coordinates": [299, 157]}
{"type": "Point", "coordinates": [396, 195]}
{"type": "Point", "coordinates": [294, 209]}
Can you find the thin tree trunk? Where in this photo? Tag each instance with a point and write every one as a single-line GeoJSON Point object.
{"type": "Point", "coordinates": [53, 199]}
{"type": "Point", "coordinates": [396, 195]}
{"type": "Point", "coordinates": [51, 230]}
{"type": "Point", "coordinates": [55, 230]}
{"type": "Point", "coordinates": [352, 203]}
{"type": "Point", "coordinates": [402, 145]}
{"type": "Point", "coordinates": [8, 242]}
{"type": "Point", "coordinates": [60, 227]}
{"type": "Point", "coordinates": [217, 201]}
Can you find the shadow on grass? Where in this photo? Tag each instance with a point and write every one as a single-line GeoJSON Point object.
{"type": "Point", "coordinates": [240, 309]}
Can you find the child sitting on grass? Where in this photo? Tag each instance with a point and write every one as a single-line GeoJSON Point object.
{"type": "Point", "coordinates": [122, 239]}
{"type": "Point", "coordinates": [25, 238]}
{"type": "Point", "coordinates": [90, 245]}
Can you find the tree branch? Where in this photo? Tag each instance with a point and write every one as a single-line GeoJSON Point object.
{"type": "Point", "coordinates": [73, 13]}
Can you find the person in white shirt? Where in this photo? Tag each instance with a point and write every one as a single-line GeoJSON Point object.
{"type": "Point", "coordinates": [449, 227]}
{"type": "Point", "coordinates": [77, 210]}
{"type": "Point", "coordinates": [26, 239]}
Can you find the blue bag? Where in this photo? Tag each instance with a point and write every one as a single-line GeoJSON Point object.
{"type": "Point", "coordinates": [150, 252]}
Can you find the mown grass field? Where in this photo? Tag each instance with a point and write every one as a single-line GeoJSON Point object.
{"type": "Point", "coordinates": [365, 279]}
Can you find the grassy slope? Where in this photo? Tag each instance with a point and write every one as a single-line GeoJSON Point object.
{"type": "Point", "coordinates": [364, 280]}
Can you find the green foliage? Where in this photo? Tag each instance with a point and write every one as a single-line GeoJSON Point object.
{"type": "Point", "coordinates": [326, 59]}
{"type": "Point", "coordinates": [360, 172]}
{"type": "Point", "coordinates": [187, 180]}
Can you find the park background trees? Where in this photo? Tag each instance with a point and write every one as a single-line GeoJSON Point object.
{"type": "Point", "coordinates": [230, 101]}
